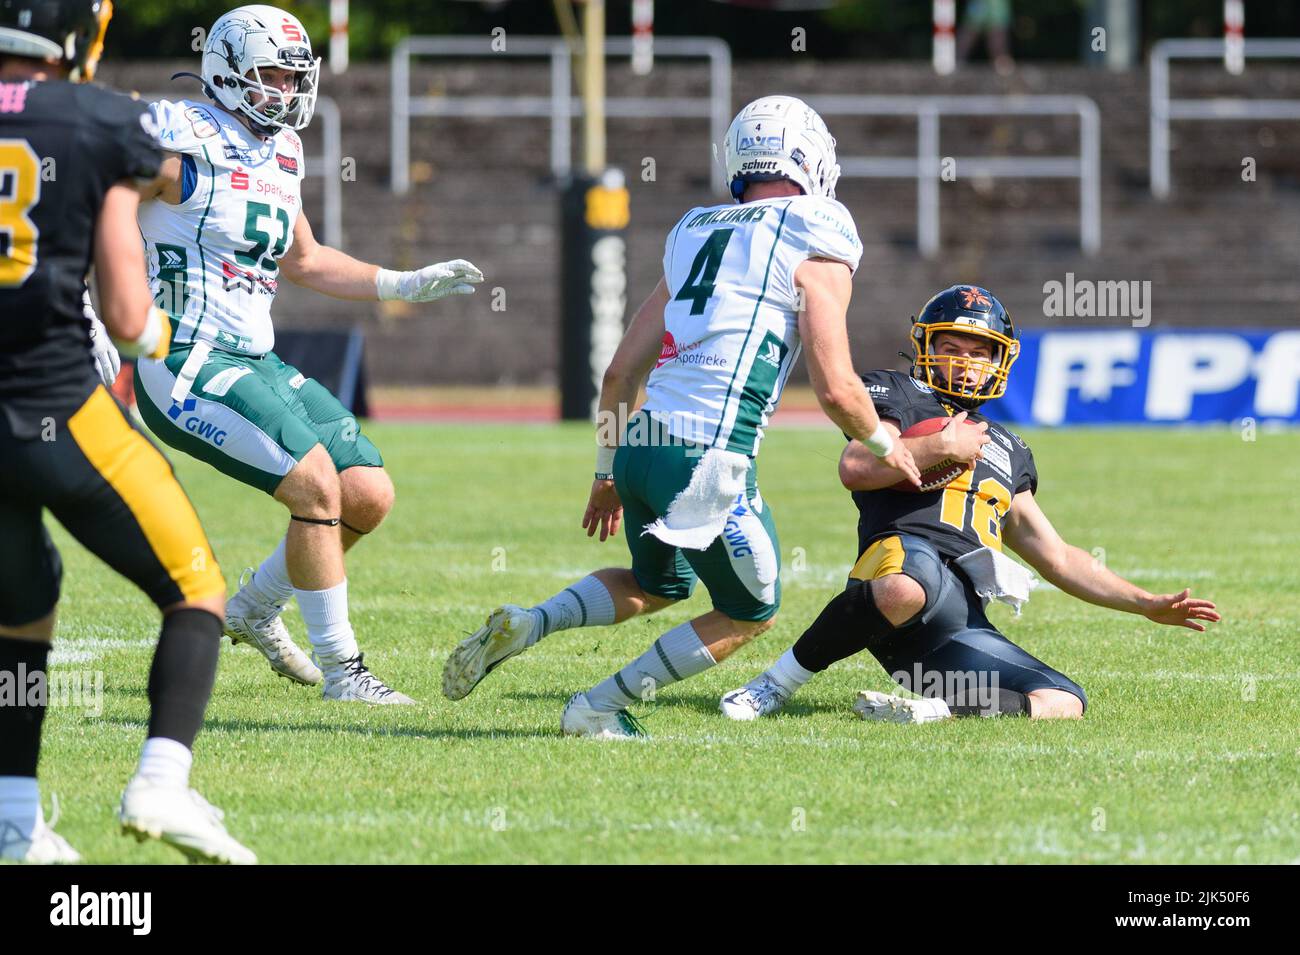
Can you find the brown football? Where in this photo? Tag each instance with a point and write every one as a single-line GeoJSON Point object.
{"type": "Point", "coordinates": [939, 475]}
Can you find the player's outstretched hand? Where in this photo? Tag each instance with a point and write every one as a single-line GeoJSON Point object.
{"type": "Point", "coordinates": [1181, 610]}
{"type": "Point", "coordinates": [457, 277]}
{"type": "Point", "coordinates": [901, 459]}
{"type": "Point", "coordinates": [604, 510]}
{"type": "Point", "coordinates": [103, 355]}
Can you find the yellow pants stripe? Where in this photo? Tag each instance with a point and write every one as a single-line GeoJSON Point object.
{"type": "Point", "coordinates": [881, 559]}
{"type": "Point", "coordinates": [143, 479]}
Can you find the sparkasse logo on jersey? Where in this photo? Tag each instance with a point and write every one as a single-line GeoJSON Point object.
{"type": "Point", "coordinates": [238, 179]}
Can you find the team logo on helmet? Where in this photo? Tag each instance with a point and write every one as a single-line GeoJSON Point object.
{"type": "Point", "coordinates": [793, 140]}
{"type": "Point", "coordinates": [246, 41]}
{"type": "Point", "coordinates": [971, 311]}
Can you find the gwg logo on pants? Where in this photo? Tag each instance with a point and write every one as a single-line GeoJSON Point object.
{"type": "Point", "coordinates": [205, 430]}
{"type": "Point", "coordinates": [176, 410]}
{"type": "Point", "coordinates": [103, 908]}
{"type": "Point", "coordinates": [196, 425]}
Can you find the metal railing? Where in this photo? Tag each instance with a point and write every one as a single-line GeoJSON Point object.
{"type": "Point", "coordinates": [925, 167]}
{"type": "Point", "coordinates": [559, 105]}
{"type": "Point", "coordinates": [1163, 109]}
{"type": "Point", "coordinates": [327, 165]}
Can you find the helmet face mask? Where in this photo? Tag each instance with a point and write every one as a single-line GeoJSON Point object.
{"type": "Point", "coordinates": [242, 44]}
{"type": "Point", "coordinates": [776, 138]}
{"type": "Point", "coordinates": [972, 312]}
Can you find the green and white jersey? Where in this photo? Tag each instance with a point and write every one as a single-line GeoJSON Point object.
{"type": "Point", "coordinates": [212, 258]}
{"type": "Point", "coordinates": [732, 323]}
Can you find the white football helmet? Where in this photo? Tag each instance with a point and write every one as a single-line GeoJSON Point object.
{"type": "Point", "coordinates": [252, 38]}
{"type": "Point", "coordinates": [780, 137]}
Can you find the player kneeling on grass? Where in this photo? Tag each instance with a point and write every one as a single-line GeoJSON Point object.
{"type": "Point", "coordinates": [227, 226]}
{"type": "Point", "coordinates": [930, 559]}
{"type": "Point", "coordinates": [743, 288]}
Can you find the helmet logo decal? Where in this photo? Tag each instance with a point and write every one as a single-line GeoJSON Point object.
{"type": "Point", "coordinates": [973, 296]}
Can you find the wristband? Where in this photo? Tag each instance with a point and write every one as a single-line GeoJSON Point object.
{"type": "Point", "coordinates": [386, 284]}
{"type": "Point", "coordinates": [605, 460]}
{"type": "Point", "coordinates": [153, 342]}
{"type": "Point", "coordinates": [881, 441]}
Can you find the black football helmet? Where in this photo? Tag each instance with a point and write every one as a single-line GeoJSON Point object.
{"type": "Point", "coordinates": [965, 310]}
{"type": "Point", "coordinates": [70, 32]}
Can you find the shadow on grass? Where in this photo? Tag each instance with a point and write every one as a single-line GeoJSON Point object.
{"type": "Point", "coordinates": [699, 702]}
{"type": "Point", "coordinates": [410, 732]}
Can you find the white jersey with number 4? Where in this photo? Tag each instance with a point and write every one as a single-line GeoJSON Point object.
{"type": "Point", "coordinates": [212, 258]}
{"type": "Point", "coordinates": [732, 321]}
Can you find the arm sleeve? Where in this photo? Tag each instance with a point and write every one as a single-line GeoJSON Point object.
{"type": "Point", "coordinates": [118, 138]}
{"type": "Point", "coordinates": [824, 228]}
{"type": "Point", "coordinates": [182, 127]}
{"type": "Point", "coordinates": [1027, 473]}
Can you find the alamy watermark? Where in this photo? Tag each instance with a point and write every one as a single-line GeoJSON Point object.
{"type": "Point", "coordinates": [631, 428]}
{"type": "Point", "coordinates": [966, 687]}
{"type": "Point", "coordinates": [74, 689]}
{"type": "Point", "coordinates": [1085, 298]}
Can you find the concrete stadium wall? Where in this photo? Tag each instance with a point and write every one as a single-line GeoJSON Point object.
{"type": "Point", "coordinates": [1223, 252]}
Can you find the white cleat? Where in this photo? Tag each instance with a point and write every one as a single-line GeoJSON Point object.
{"type": "Point", "coordinates": [249, 620]}
{"type": "Point", "coordinates": [351, 682]}
{"type": "Point", "coordinates": [181, 818]}
{"type": "Point", "coordinates": [580, 719]}
{"type": "Point", "coordinates": [41, 846]}
{"type": "Point", "coordinates": [887, 708]}
{"type": "Point", "coordinates": [761, 696]}
{"type": "Point", "coordinates": [504, 635]}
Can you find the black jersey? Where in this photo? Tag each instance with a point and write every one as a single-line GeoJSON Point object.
{"type": "Point", "coordinates": [62, 145]}
{"type": "Point", "coordinates": [968, 513]}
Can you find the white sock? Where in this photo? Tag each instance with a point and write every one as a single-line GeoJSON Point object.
{"type": "Point", "coordinates": [587, 603]}
{"type": "Point", "coordinates": [20, 802]}
{"type": "Point", "coordinates": [271, 581]}
{"type": "Point", "coordinates": [789, 673]}
{"type": "Point", "coordinates": [676, 655]}
{"type": "Point", "coordinates": [325, 612]}
{"type": "Point", "coordinates": [166, 761]}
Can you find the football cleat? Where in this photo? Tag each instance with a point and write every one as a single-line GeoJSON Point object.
{"type": "Point", "coordinates": [41, 846]}
{"type": "Point", "coordinates": [181, 818]}
{"type": "Point", "coordinates": [350, 681]}
{"type": "Point", "coordinates": [887, 708]}
{"type": "Point", "coordinates": [581, 719]}
{"type": "Point", "coordinates": [761, 696]}
{"type": "Point", "coordinates": [249, 620]}
{"type": "Point", "coordinates": [504, 635]}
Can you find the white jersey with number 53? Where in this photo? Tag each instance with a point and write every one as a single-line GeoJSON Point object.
{"type": "Point", "coordinates": [732, 321]}
{"type": "Point", "coordinates": [212, 258]}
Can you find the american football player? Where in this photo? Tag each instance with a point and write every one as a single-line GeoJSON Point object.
{"type": "Point", "coordinates": [227, 228]}
{"type": "Point", "coordinates": [65, 443]}
{"type": "Point", "coordinates": [930, 561]}
{"type": "Point", "coordinates": [744, 288]}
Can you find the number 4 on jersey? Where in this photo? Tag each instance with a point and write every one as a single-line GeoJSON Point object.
{"type": "Point", "coordinates": [704, 271]}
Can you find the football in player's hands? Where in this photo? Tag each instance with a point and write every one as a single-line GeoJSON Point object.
{"type": "Point", "coordinates": [937, 475]}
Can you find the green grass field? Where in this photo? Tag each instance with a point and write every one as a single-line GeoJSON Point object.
{"type": "Point", "coordinates": [1189, 751]}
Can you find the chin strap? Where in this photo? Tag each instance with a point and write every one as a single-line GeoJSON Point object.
{"type": "Point", "coordinates": [206, 88]}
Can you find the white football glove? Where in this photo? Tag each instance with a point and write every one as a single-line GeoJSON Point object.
{"type": "Point", "coordinates": [456, 277]}
{"type": "Point", "coordinates": [102, 353]}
